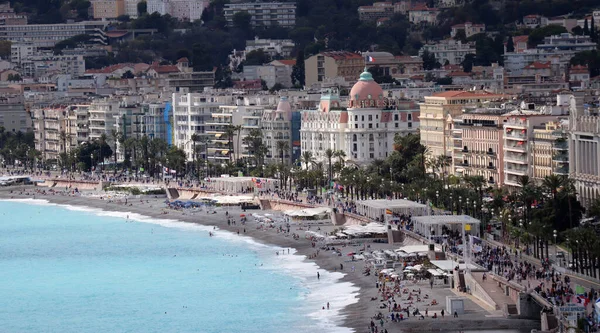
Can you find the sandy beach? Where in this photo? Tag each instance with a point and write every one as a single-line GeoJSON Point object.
{"type": "Point", "coordinates": [356, 316]}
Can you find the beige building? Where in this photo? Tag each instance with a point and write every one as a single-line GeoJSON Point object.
{"type": "Point", "coordinates": [55, 131]}
{"type": "Point", "coordinates": [108, 9]}
{"type": "Point", "coordinates": [436, 117]}
{"type": "Point", "coordinates": [333, 64]}
{"type": "Point", "coordinates": [520, 146]}
{"type": "Point", "coordinates": [478, 145]}
{"type": "Point", "coordinates": [549, 154]}
{"type": "Point", "coordinates": [469, 28]}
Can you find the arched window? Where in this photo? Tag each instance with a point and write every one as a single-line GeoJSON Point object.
{"type": "Point", "coordinates": [354, 137]}
{"type": "Point", "coordinates": [371, 137]}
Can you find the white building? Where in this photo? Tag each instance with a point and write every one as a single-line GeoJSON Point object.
{"type": "Point", "coordinates": [13, 116]}
{"type": "Point", "coordinates": [272, 74]}
{"type": "Point", "coordinates": [264, 14]}
{"type": "Point", "coordinates": [584, 153]}
{"type": "Point", "coordinates": [102, 117]}
{"type": "Point", "coordinates": [191, 112]}
{"type": "Point", "coordinates": [449, 50]}
{"type": "Point", "coordinates": [364, 131]}
{"type": "Point", "coordinates": [276, 126]}
{"type": "Point", "coordinates": [272, 47]}
{"type": "Point", "coordinates": [131, 8]}
{"type": "Point", "coordinates": [40, 65]}
{"type": "Point", "coordinates": [185, 10]}
{"type": "Point", "coordinates": [47, 35]}
{"type": "Point", "coordinates": [20, 51]}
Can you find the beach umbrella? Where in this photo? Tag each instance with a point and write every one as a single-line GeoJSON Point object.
{"type": "Point", "coordinates": [408, 268]}
{"type": "Point", "coordinates": [351, 253]}
{"type": "Point", "coordinates": [242, 215]}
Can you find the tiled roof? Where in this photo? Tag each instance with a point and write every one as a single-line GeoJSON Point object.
{"type": "Point", "coordinates": [184, 59]}
{"type": "Point", "coordinates": [341, 55]}
{"type": "Point", "coordinates": [538, 65]}
{"type": "Point", "coordinates": [289, 62]}
{"type": "Point", "coordinates": [466, 94]}
{"type": "Point", "coordinates": [520, 39]}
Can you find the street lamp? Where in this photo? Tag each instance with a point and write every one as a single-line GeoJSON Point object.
{"type": "Point", "coordinates": [458, 209]}
{"type": "Point", "coordinates": [451, 205]}
{"type": "Point", "coordinates": [467, 209]}
{"type": "Point", "coordinates": [555, 233]}
{"type": "Point", "coordinates": [437, 197]}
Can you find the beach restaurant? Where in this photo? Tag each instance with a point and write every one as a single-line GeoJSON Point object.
{"type": "Point", "coordinates": [375, 209]}
{"type": "Point", "coordinates": [240, 184]}
{"type": "Point", "coordinates": [428, 226]}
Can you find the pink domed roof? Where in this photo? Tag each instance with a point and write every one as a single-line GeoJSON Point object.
{"type": "Point", "coordinates": [285, 108]}
{"type": "Point", "coordinates": [366, 93]}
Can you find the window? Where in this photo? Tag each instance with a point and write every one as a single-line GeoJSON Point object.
{"type": "Point", "coordinates": [396, 125]}
{"type": "Point", "coordinates": [396, 117]}
{"type": "Point", "coordinates": [363, 118]}
{"type": "Point", "coordinates": [370, 118]}
{"type": "Point", "coordinates": [409, 117]}
{"type": "Point", "coordinates": [354, 137]}
{"type": "Point", "coordinates": [371, 155]}
{"type": "Point", "coordinates": [354, 147]}
{"type": "Point", "coordinates": [370, 125]}
{"type": "Point", "coordinates": [409, 125]}
{"type": "Point", "coordinates": [355, 125]}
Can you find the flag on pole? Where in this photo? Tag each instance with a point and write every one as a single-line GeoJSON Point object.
{"type": "Point", "coordinates": [370, 59]}
{"type": "Point", "coordinates": [389, 212]}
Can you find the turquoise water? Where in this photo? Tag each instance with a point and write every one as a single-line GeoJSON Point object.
{"type": "Point", "coordinates": [65, 270]}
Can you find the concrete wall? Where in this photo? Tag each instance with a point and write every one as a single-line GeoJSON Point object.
{"type": "Point", "coordinates": [478, 291]}
{"type": "Point", "coordinates": [528, 307]}
{"type": "Point", "coordinates": [65, 183]}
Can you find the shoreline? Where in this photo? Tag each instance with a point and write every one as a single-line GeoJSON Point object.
{"type": "Point", "coordinates": [355, 316]}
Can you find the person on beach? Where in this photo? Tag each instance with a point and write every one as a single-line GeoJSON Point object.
{"type": "Point", "coordinates": [318, 276]}
{"type": "Point", "coordinates": [327, 305]}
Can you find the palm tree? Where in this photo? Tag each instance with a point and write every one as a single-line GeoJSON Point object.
{"type": "Point", "coordinates": [195, 138]}
{"type": "Point", "coordinates": [238, 130]}
{"type": "Point", "coordinates": [329, 153]}
{"type": "Point", "coordinates": [307, 158]}
{"type": "Point", "coordinates": [594, 209]}
{"type": "Point", "coordinates": [102, 142]}
{"type": "Point", "coordinates": [63, 138]}
{"type": "Point", "coordinates": [283, 146]}
{"type": "Point", "coordinates": [230, 132]}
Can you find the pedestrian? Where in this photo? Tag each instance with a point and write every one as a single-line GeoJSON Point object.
{"type": "Point", "coordinates": [327, 305]}
{"type": "Point", "coordinates": [341, 267]}
{"type": "Point", "coordinates": [455, 314]}
{"type": "Point", "coordinates": [318, 276]}
{"type": "Point", "coordinates": [442, 313]}
{"type": "Point", "coordinates": [431, 283]}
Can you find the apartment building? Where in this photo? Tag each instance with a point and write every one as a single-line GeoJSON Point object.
{"type": "Point", "coordinates": [584, 152]}
{"type": "Point", "coordinates": [449, 51]}
{"type": "Point", "coordinates": [21, 51]}
{"type": "Point", "coordinates": [273, 73]}
{"type": "Point", "coordinates": [247, 117]}
{"type": "Point", "coordinates": [271, 47]}
{"type": "Point", "coordinates": [55, 132]}
{"type": "Point", "coordinates": [13, 116]}
{"type": "Point", "coordinates": [37, 66]}
{"type": "Point", "coordinates": [478, 142]}
{"type": "Point", "coordinates": [185, 10]}
{"type": "Point", "coordinates": [107, 9]}
{"type": "Point", "coordinates": [469, 29]}
{"type": "Point", "coordinates": [549, 150]}
{"type": "Point", "coordinates": [519, 143]}
{"type": "Point", "coordinates": [191, 112]}
{"type": "Point", "coordinates": [47, 35]}
{"type": "Point", "coordinates": [437, 112]}
{"type": "Point", "coordinates": [131, 8]}
{"type": "Point", "coordinates": [333, 64]}
{"type": "Point", "coordinates": [276, 127]}
{"type": "Point", "coordinates": [567, 42]}
{"type": "Point", "coordinates": [421, 14]}
{"type": "Point", "coordinates": [102, 117]}
{"type": "Point", "coordinates": [264, 14]}
{"type": "Point", "coordinates": [377, 11]}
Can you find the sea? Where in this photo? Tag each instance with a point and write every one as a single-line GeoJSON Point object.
{"type": "Point", "coordinates": [76, 269]}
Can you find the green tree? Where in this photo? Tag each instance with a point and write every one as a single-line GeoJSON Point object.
{"type": "Point", "coordinates": [429, 61]}
{"type": "Point", "coordinates": [142, 8]}
{"type": "Point", "coordinates": [283, 147]}
{"type": "Point", "coordinates": [242, 21]}
{"type": "Point", "coordinates": [510, 45]}
{"type": "Point", "coordinates": [5, 48]}
{"type": "Point", "coordinates": [536, 36]}
{"type": "Point", "coordinates": [379, 76]}
{"type": "Point", "coordinates": [468, 63]}
{"type": "Point", "coordinates": [257, 57]}
{"type": "Point", "coordinates": [298, 76]}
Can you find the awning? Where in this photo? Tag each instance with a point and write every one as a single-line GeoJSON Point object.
{"type": "Point", "coordinates": [224, 152]}
{"type": "Point", "coordinates": [218, 135]}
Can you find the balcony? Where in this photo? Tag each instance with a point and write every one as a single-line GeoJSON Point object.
{"type": "Point", "coordinates": [560, 145]}
{"type": "Point", "coordinates": [516, 170]}
{"type": "Point", "coordinates": [563, 170]}
{"type": "Point", "coordinates": [491, 153]}
{"type": "Point", "coordinates": [522, 147]}
{"type": "Point", "coordinates": [515, 135]}
{"type": "Point", "coordinates": [491, 167]}
{"type": "Point", "coordinates": [560, 157]}
{"type": "Point", "coordinates": [515, 159]}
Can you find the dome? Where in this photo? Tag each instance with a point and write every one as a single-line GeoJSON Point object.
{"type": "Point", "coordinates": [285, 108]}
{"type": "Point", "coordinates": [366, 93]}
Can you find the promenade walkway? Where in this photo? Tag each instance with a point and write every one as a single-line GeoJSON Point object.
{"type": "Point", "coordinates": [497, 294]}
